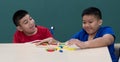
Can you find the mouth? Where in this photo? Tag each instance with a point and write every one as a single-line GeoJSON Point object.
{"type": "Point", "coordinates": [87, 29]}
{"type": "Point", "coordinates": [32, 27]}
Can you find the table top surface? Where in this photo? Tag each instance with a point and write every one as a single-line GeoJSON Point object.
{"type": "Point", "coordinates": [32, 53]}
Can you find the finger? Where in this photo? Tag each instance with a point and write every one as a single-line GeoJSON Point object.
{"type": "Point", "coordinates": [50, 41]}
{"type": "Point", "coordinates": [69, 43]}
{"type": "Point", "coordinates": [38, 43]}
{"type": "Point", "coordinates": [35, 41]}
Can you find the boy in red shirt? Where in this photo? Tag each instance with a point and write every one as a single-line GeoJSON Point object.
{"type": "Point", "coordinates": [27, 31]}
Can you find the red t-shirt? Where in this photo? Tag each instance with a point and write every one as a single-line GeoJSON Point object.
{"type": "Point", "coordinates": [42, 33]}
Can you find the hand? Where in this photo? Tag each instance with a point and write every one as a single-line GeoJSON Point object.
{"type": "Point", "coordinates": [35, 41]}
{"type": "Point", "coordinates": [77, 42]}
{"type": "Point", "coordinates": [73, 41]}
{"type": "Point", "coordinates": [47, 40]}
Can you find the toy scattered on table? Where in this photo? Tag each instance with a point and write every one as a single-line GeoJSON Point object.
{"type": "Point", "coordinates": [46, 45]}
{"type": "Point", "coordinates": [61, 51]}
{"type": "Point", "coordinates": [51, 49]}
{"type": "Point", "coordinates": [61, 47]}
{"type": "Point", "coordinates": [69, 48]}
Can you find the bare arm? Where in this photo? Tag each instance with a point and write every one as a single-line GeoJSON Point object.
{"type": "Point", "coordinates": [49, 40]}
{"type": "Point", "coordinates": [106, 40]}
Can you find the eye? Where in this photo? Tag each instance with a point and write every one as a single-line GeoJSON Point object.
{"type": "Point", "coordinates": [25, 22]}
{"type": "Point", "coordinates": [83, 22]}
{"type": "Point", "coordinates": [90, 22]}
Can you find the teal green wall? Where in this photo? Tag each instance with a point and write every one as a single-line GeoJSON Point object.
{"type": "Point", "coordinates": [64, 15]}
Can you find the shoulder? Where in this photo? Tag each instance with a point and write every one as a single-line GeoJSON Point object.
{"type": "Point", "coordinates": [106, 29]}
{"type": "Point", "coordinates": [18, 34]}
{"type": "Point", "coordinates": [82, 32]}
{"type": "Point", "coordinates": [42, 29]}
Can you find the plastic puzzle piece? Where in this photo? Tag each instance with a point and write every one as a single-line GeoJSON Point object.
{"type": "Point", "coordinates": [51, 49]}
{"type": "Point", "coordinates": [69, 48]}
{"type": "Point", "coordinates": [61, 51]}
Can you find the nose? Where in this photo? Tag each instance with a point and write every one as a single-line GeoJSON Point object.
{"type": "Point", "coordinates": [87, 24]}
{"type": "Point", "coordinates": [31, 22]}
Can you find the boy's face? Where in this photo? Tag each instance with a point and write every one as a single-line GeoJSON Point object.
{"type": "Point", "coordinates": [91, 24]}
{"type": "Point", "coordinates": [27, 25]}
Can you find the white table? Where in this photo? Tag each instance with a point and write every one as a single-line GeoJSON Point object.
{"type": "Point", "coordinates": [31, 53]}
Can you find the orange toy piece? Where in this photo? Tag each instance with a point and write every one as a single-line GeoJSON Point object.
{"type": "Point", "coordinates": [51, 49]}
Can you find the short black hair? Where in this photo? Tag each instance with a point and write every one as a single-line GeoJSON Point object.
{"type": "Point", "coordinates": [92, 11]}
{"type": "Point", "coordinates": [18, 15]}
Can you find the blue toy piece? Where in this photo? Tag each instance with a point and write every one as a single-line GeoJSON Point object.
{"type": "Point", "coordinates": [61, 51]}
{"type": "Point", "coordinates": [61, 47]}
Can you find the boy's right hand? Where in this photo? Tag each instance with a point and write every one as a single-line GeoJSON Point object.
{"type": "Point", "coordinates": [35, 41]}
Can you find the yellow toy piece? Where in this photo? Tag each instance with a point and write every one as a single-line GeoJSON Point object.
{"type": "Point", "coordinates": [69, 48]}
{"type": "Point", "coordinates": [58, 48]}
{"type": "Point", "coordinates": [65, 47]}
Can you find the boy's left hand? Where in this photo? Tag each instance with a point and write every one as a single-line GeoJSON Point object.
{"type": "Point", "coordinates": [77, 42]}
{"type": "Point", "coordinates": [47, 40]}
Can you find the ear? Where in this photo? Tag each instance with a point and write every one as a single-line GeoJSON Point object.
{"type": "Point", "coordinates": [100, 22]}
{"type": "Point", "coordinates": [19, 28]}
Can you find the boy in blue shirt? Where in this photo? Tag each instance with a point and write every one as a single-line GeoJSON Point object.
{"type": "Point", "coordinates": [93, 35]}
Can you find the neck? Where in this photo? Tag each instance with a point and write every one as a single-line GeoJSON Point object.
{"type": "Point", "coordinates": [91, 36]}
{"type": "Point", "coordinates": [32, 33]}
